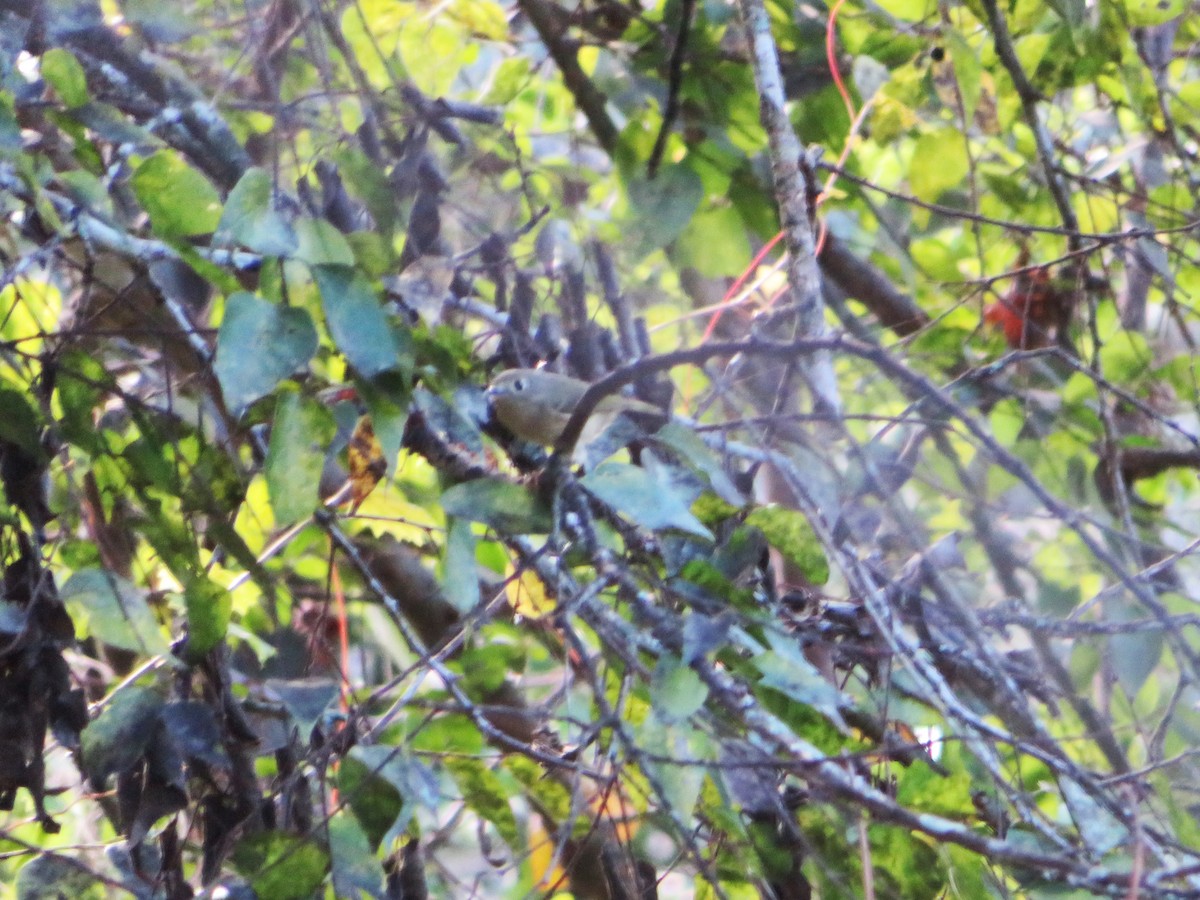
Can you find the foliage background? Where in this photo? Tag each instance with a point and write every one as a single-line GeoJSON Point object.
{"type": "Point", "coordinates": [234, 233]}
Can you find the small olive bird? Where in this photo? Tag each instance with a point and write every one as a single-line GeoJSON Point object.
{"type": "Point", "coordinates": [536, 405]}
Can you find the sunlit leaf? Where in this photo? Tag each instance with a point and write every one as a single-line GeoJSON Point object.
{"type": "Point", "coordinates": [181, 202]}
{"type": "Point", "coordinates": [296, 456]}
{"type": "Point", "coordinates": [1145, 13]}
{"type": "Point", "coordinates": [527, 594]}
{"type": "Point", "coordinates": [713, 243]}
{"type": "Point", "coordinates": [939, 163]}
{"type": "Point", "coordinates": [319, 243]}
{"type": "Point", "coordinates": [63, 72]}
{"type": "Point", "coordinates": [112, 610]}
{"type": "Point", "coordinates": [789, 531]}
{"type": "Point", "coordinates": [208, 611]}
{"type": "Point", "coordinates": [484, 793]}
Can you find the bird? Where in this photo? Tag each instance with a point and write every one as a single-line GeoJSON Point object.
{"type": "Point", "coordinates": [536, 405]}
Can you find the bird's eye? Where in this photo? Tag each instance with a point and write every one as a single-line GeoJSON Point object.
{"type": "Point", "coordinates": [519, 384]}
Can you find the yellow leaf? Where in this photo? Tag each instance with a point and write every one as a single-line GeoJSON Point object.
{"type": "Point", "coordinates": [367, 465]}
{"type": "Point", "coordinates": [541, 856]}
{"type": "Point", "coordinates": [527, 594]}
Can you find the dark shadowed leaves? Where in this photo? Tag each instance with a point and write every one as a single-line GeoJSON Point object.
{"type": "Point", "coordinates": [193, 727]}
{"type": "Point", "coordinates": [118, 737]}
{"type": "Point", "coordinates": [279, 866]}
{"type": "Point", "coordinates": [19, 422]}
{"type": "Point", "coordinates": [48, 875]}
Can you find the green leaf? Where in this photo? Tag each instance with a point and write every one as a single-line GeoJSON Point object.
{"type": "Point", "coordinates": [319, 243]}
{"type": "Point", "coordinates": [1101, 830]}
{"type": "Point", "coordinates": [920, 788]}
{"type": "Point", "coordinates": [460, 581]}
{"type": "Point", "coordinates": [250, 217]}
{"type": "Point", "coordinates": [696, 455]}
{"type": "Point", "coordinates": [19, 423]}
{"type": "Point", "coordinates": [487, 666]}
{"type": "Point", "coordinates": [412, 779]}
{"type": "Point", "coordinates": [115, 740]}
{"type": "Point", "coordinates": [356, 872]}
{"type": "Point", "coordinates": [110, 609]}
{"type": "Point", "coordinates": [306, 699]}
{"type": "Point", "coordinates": [713, 243]}
{"type": "Point", "coordinates": [63, 72]}
{"type": "Point", "coordinates": [500, 504]}
{"type": "Point", "coordinates": [909, 10]}
{"type": "Point", "coordinates": [388, 416]}
{"type": "Point", "coordinates": [259, 344]}
{"type": "Point", "coordinates": [967, 70]}
{"type": "Point", "coordinates": [789, 532]}
{"type": "Point", "coordinates": [356, 320]}
{"type": "Point", "coordinates": [1126, 357]}
{"type": "Point", "coordinates": [647, 498]}
{"type": "Point", "coordinates": [300, 437]}
{"type": "Point", "coordinates": [681, 784]}
{"type": "Point", "coordinates": [785, 669]}
{"type": "Point", "coordinates": [508, 79]}
{"type": "Point", "coordinates": [939, 162]}
{"type": "Point", "coordinates": [485, 795]}
{"type": "Point", "coordinates": [374, 801]}
{"type": "Point", "coordinates": [89, 191]}
{"type": "Point", "coordinates": [180, 201]}
{"type": "Point", "coordinates": [1147, 13]}
{"type": "Point", "coordinates": [1031, 49]}
{"type": "Point", "coordinates": [662, 207]}
{"type": "Point", "coordinates": [209, 607]}
{"type": "Point", "coordinates": [676, 691]}
{"type": "Point", "coordinates": [279, 866]}
{"type": "Point", "coordinates": [50, 875]}
{"type": "Point", "coordinates": [1134, 656]}
{"type": "Point", "coordinates": [549, 794]}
